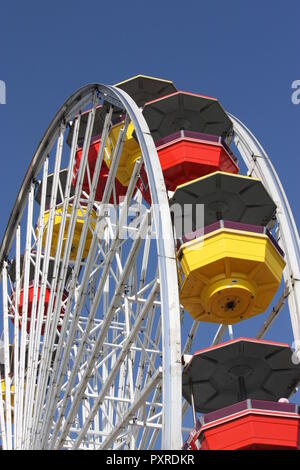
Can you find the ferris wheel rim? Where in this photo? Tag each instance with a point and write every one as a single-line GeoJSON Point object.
{"type": "Point", "coordinates": [259, 163]}
{"type": "Point", "coordinates": [167, 258]}
{"type": "Point", "coordinates": [165, 246]}
{"type": "Point", "coordinates": [76, 100]}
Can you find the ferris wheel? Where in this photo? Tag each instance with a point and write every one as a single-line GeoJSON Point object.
{"type": "Point", "coordinates": [111, 277]}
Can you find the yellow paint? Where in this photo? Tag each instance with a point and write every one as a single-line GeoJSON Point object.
{"type": "Point", "coordinates": [143, 76]}
{"type": "Point", "coordinates": [210, 175]}
{"type": "Point", "coordinates": [12, 392]}
{"type": "Point", "coordinates": [77, 232]}
{"type": "Point", "coordinates": [130, 154]}
{"type": "Point", "coordinates": [228, 275]}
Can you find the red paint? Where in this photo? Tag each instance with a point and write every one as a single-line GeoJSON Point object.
{"type": "Point", "coordinates": [92, 158]}
{"type": "Point", "coordinates": [30, 301]}
{"type": "Point", "coordinates": [253, 432]}
{"type": "Point", "coordinates": [186, 159]}
{"type": "Point", "coordinates": [178, 92]}
{"type": "Point", "coordinates": [238, 340]}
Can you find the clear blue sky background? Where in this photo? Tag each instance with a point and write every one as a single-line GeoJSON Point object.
{"type": "Point", "coordinates": [244, 52]}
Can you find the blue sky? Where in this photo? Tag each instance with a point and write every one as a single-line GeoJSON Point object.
{"type": "Point", "coordinates": [246, 53]}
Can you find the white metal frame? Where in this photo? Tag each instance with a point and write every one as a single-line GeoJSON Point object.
{"type": "Point", "coordinates": [94, 383]}
{"type": "Point", "coordinates": [259, 165]}
{"type": "Point", "coordinates": [35, 407]}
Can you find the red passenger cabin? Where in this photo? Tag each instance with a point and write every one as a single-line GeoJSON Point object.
{"type": "Point", "coordinates": [190, 133]}
{"type": "Point", "coordinates": [92, 158]}
{"type": "Point", "coordinates": [185, 156]}
{"type": "Point", "coordinates": [12, 275]}
{"type": "Point", "coordinates": [239, 387]}
{"type": "Point", "coordinates": [29, 307]}
{"type": "Point", "coordinates": [248, 425]}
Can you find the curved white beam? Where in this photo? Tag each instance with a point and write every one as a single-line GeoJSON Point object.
{"type": "Point", "coordinates": [170, 311]}
{"type": "Point", "coordinates": [260, 165]}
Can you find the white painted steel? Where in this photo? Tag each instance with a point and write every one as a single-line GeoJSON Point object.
{"type": "Point", "coordinates": [260, 165]}
{"type": "Point", "coordinates": [136, 343]}
{"type": "Point", "coordinates": [107, 374]}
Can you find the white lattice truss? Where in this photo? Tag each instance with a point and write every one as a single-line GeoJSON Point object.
{"type": "Point", "coordinates": [110, 375]}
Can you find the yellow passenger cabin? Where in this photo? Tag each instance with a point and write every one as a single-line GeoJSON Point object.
{"type": "Point", "coordinates": [130, 153]}
{"type": "Point", "coordinates": [229, 274]}
{"type": "Point", "coordinates": [81, 212]}
{"type": "Point", "coordinates": [12, 392]}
